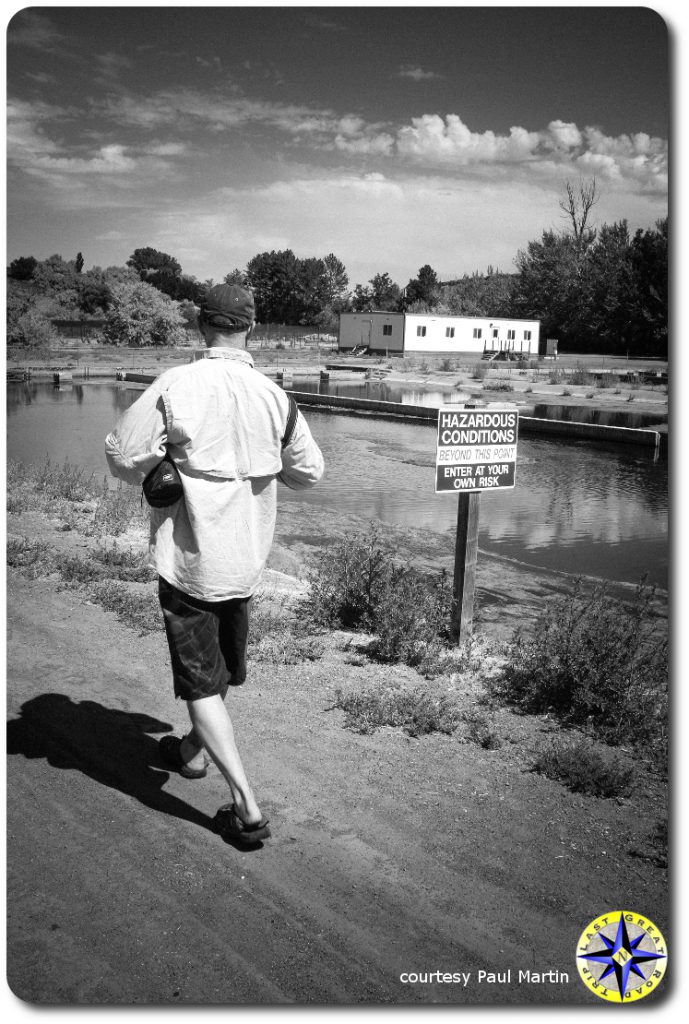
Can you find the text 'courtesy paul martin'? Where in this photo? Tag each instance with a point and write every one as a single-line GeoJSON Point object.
{"type": "Point", "coordinates": [477, 449]}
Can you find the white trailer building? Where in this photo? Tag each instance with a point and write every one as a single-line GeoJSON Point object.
{"type": "Point", "coordinates": [401, 333]}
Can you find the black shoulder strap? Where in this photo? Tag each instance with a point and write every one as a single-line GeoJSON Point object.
{"type": "Point", "coordinates": [291, 421]}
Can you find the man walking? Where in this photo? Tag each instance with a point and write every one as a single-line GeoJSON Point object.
{"type": "Point", "coordinates": [231, 434]}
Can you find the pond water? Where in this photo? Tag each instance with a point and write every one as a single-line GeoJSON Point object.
{"type": "Point", "coordinates": [577, 508]}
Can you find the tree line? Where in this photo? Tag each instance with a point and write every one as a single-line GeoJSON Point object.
{"type": "Point", "coordinates": [593, 289]}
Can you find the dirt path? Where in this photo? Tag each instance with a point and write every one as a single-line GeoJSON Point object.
{"type": "Point", "coordinates": [389, 854]}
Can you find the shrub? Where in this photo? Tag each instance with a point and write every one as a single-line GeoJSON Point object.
{"type": "Point", "coordinates": [142, 315]}
{"type": "Point", "coordinates": [585, 767]}
{"type": "Point", "coordinates": [480, 371]}
{"type": "Point", "coordinates": [348, 580]}
{"type": "Point", "coordinates": [447, 365]}
{"type": "Point", "coordinates": [33, 331]}
{"type": "Point", "coordinates": [596, 662]}
{"type": "Point", "coordinates": [412, 616]}
{"type": "Point", "coordinates": [358, 585]}
{"type": "Point", "coordinates": [498, 385]}
{"type": "Point", "coordinates": [580, 376]}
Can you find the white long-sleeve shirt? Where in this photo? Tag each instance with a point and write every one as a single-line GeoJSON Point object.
{"type": "Point", "coordinates": [222, 423]}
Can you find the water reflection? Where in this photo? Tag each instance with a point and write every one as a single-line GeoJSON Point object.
{"type": "Point", "coordinates": [576, 507]}
{"type": "Point", "coordinates": [381, 392]}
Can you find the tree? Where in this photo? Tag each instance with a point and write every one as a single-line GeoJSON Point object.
{"type": "Point", "coordinates": [79, 263]}
{"type": "Point", "coordinates": [57, 280]}
{"type": "Point", "coordinates": [576, 208]}
{"type": "Point", "coordinates": [275, 278]}
{"type": "Point", "coordinates": [649, 268]}
{"type": "Point", "coordinates": [335, 279]}
{"type": "Point", "coordinates": [236, 276]}
{"type": "Point", "coordinates": [610, 288]}
{"type": "Point", "coordinates": [149, 261]}
{"type": "Point", "coordinates": [488, 294]}
{"type": "Point", "coordinates": [423, 289]}
{"type": "Point", "coordinates": [94, 293]}
{"type": "Point", "coordinates": [22, 269]}
{"type": "Point", "coordinates": [141, 315]}
{"type": "Point", "coordinates": [161, 270]}
{"type": "Point", "coordinates": [362, 299]}
{"type": "Point", "coordinates": [547, 286]}
{"type": "Point", "coordinates": [313, 289]}
{"type": "Point", "coordinates": [384, 292]}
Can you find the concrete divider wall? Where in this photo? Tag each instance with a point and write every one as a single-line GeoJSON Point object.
{"type": "Point", "coordinates": [429, 414]}
{"type": "Point", "coordinates": [527, 424]}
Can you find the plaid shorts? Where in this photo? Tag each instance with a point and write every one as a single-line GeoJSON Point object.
{"type": "Point", "coordinates": [207, 641]}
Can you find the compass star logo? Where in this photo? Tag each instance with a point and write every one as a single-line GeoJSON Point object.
{"type": "Point", "coordinates": [621, 956]}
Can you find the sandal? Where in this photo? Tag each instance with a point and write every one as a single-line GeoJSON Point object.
{"type": "Point", "coordinates": [170, 748]}
{"type": "Point", "coordinates": [229, 825]}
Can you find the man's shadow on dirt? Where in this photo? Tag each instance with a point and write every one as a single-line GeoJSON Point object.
{"type": "Point", "coordinates": [107, 745]}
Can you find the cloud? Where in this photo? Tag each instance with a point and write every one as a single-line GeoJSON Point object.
{"type": "Point", "coordinates": [36, 30]}
{"type": "Point", "coordinates": [434, 141]}
{"type": "Point", "coordinates": [416, 73]}
{"type": "Point", "coordinates": [111, 67]}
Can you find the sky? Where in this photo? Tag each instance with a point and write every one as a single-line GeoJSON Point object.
{"type": "Point", "coordinates": [391, 136]}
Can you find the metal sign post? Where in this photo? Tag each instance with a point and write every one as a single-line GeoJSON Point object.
{"type": "Point", "coordinates": [477, 452]}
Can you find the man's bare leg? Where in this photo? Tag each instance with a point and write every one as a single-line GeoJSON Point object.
{"type": "Point", "coordinates": [211, 726]}
{"type": "Point", "coordinates": [191, 748]}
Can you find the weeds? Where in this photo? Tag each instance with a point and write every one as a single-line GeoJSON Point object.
{"type": "Point", "coordinates": [139, 611]}
{"type": "Point", "coordinates": [282, 647]}
{"type": "Point", "coordinates": [498, 385]}
{"type": "Point", "coordinates": [117, 510]}
{"type": "Point", "coordinates": [585, 767]}
{"type": "Point", "coordinates": [480, 371]}
{"type": "Point", "coordinates": [418, 712]}
{"type": "Point", "coordinates": [481, 730]}
{"type": "Point", "coordinates": [594, 662]}
{"type": "Point", "coordinates": [68, 482]}
{"type": "Point", "coordinates": [276, 637]}
{"type": "Point", "coordinates": [33, 558]}
{"type": "Point", "coordinates": [124, 564]}
{"type": "Point", "coordinates": [106, 563]}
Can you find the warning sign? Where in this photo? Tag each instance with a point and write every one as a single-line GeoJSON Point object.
{"type": "Point", "coordinates": [477, 448]}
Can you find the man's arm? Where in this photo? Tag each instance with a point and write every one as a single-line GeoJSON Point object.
{"type": "Point", "coordinates": [137, 444]}
{"type": "Point", "coordinates": [302, 461]}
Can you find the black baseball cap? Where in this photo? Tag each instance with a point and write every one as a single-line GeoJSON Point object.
{"type": "Point", "coordinates": [229, 306]}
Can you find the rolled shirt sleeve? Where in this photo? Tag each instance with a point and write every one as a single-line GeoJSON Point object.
{"type": "Point", "coordinates": [302, 460]}
{"type": "Point", "coordinates": [137, 444]}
